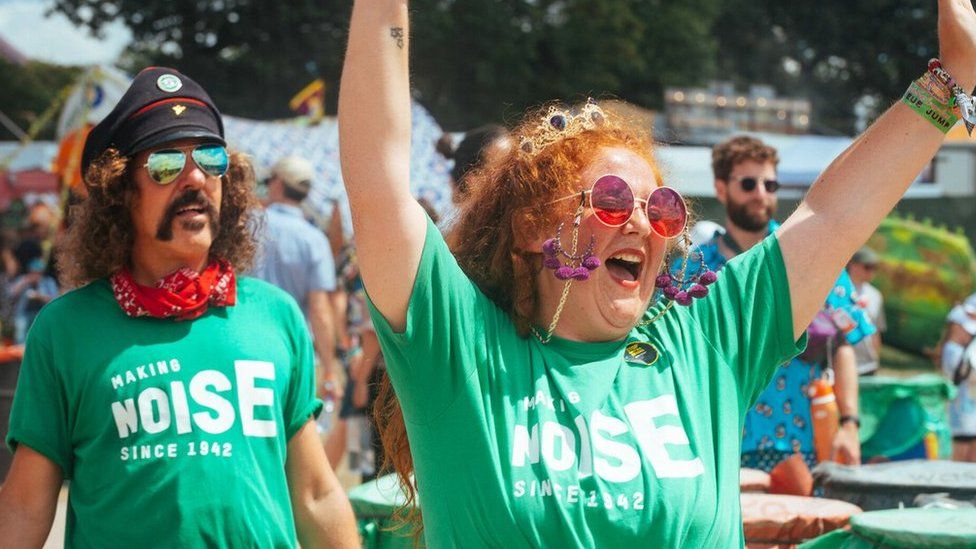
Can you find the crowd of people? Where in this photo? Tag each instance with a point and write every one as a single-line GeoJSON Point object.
{"type": "Point", "coordinates": [562, 359]}
{"type": "Point", "coordinates": [28, 278]}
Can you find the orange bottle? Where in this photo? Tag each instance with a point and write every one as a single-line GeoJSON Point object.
{"type": "Point", "coordinates": [825, 417]}
{"type": "Point", "coordinates": [931, 445]}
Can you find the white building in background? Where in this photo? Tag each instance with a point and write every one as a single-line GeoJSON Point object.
{"type": "Point", "coordinates": [803, 157]}
{"type": "Point", "coordinates": [953, 171]}
{"type": "Point", "coordinates": [705, 116]}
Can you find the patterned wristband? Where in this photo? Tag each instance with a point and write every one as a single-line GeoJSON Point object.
{"type": "Point", "coordinates": [962, 101]}
{"type": "Point", "coordinates": [930, 83]}
{"type": "Point", "coordinates": [929, 108]}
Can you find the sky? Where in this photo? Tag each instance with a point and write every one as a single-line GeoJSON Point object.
{"type": "Point", "coordinates": [54, 39]}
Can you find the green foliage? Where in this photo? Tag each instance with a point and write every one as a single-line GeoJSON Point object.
{"type": "Point", "coordinates": [839, 50]}
{"type": "Point", "coordinates": [251, 56]}
{"type": "Point", "coordinates": [29, 90]}
{"type": "Point", "coordinates": [474, 61]}
{"type": "Point", "coordinates": [479, 61]}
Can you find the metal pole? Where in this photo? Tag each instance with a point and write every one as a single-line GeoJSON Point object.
{"type": "Point", "coordinates": [12, 127]}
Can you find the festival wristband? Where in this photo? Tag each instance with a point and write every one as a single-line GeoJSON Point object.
{"type": "Point", "coordinates": [962, 100]}
{"type": "Point", "coordinates": [935, 69]}
{"type": "Point", "coordinates": [936, 88]}
{"type": "Point", "coordinates": [938, 101]}
{"type": "Point", "coordinates": [928, 108]}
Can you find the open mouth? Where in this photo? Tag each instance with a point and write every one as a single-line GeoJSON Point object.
{"type": "Point", "coordinates": [624, 266]}
{"type": "Point", "coordinates": [192, 210]}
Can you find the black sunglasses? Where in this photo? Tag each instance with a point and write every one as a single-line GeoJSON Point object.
{"type": "Point", "coordinates": [749, 183]}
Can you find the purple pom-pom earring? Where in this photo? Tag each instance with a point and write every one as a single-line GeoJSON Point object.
{"type": "Point", "coordinates": [577, 266]}
{"type": "Point", "coordinates": [683, 289]}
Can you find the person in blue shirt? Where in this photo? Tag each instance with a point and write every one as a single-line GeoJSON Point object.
{"type": "Point", "coordinates": [296, 257]}
{"type": "Point", "coordinates": [779, 423]}
{"type": "Point", "coordinates": [29, 292]}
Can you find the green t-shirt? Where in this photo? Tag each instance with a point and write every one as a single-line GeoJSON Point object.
{"type": "Point", "coordinates": [574, 444]}
{"type": "Point", "coordinates": [173, 434]}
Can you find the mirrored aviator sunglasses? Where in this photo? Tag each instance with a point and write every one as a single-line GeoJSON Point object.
{"type": "Point", "coordinates": [613, 202]}
{"type": "Point", "coordinates": [165, 166]}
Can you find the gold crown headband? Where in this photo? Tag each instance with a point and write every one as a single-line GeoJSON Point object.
{"type": "Point", "coordinates": [558, 124]}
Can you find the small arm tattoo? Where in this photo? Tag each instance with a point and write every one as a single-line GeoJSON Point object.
{"type": "Point", "coordinates": [397, 34]}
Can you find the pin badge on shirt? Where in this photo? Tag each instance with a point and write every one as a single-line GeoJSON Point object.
{"type": "Point", "coordinates": [641, 352]}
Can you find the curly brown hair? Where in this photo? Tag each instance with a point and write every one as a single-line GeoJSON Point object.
{"type": "Point", "coordinates": [509, 200]}
{"type": "Point", "coordinates": [732, 152]}
{"type": "Point", "coordinates": [100, 234]}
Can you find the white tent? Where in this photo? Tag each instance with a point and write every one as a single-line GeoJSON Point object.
{"type": "Point", "coordinates": [266, 142]}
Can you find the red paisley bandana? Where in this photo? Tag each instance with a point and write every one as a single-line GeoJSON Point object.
{"type": "Point", "coordinates": [182, 294]}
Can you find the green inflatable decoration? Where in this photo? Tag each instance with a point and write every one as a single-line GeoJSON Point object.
{"type": "Point", "coordinates": [924, 271]}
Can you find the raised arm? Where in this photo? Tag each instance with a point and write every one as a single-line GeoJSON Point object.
{"type": "Point", "coordinates": [374, 146]}
{"type": "Point", "coordinates": [852, 196]}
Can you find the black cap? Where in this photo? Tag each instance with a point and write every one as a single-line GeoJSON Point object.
{"type": "Point", "coordinates": [161, 105]}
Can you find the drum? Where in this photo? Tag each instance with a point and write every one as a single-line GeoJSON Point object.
{"type": "Point", "coordinates": [772, 520]}
{"type": "Point", "coordinates": [896, 484]}
{"type": "Point", "coordinates": [904, 528]}
{"type": "Point", "coordinates": [753, 480]}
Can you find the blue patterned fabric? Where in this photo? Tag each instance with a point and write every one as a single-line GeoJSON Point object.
{"type": "Point", "coordinates": [779, 425]}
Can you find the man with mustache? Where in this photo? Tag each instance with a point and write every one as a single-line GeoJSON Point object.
{"type": "Point", "coordinates": [177, 397]}
{"type": "Point", "coordinates": [780, 425]}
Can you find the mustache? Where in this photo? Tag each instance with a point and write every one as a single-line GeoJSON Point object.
{"type": "Point", "coordinates": [190, 198]}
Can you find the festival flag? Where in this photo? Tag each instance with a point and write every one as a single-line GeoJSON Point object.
{"type": "Point", "coordinates": [67, 163]}
{"type": "Point", "coordinates": [310, 102]}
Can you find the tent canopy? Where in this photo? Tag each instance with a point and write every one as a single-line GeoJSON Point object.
{"type": "Point", "coordinates": [267, 142]}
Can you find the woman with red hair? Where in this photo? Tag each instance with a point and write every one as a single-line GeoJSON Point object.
{"type": "Point", "coordinates": [549, 393]}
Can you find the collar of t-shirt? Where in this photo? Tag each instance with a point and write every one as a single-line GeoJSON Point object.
{"type": "Point", "coordinates": [580, 351]}
{"type": "Point", "coordinates": [724, 235]}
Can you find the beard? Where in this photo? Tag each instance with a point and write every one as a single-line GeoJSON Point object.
{"type": "Point", "coordinates": [741, 216]}
{"type": "Point", "coordinates": [193, 198]}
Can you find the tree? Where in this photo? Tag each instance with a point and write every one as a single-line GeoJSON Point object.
{"type": "Point", "coordinates": [834, 52]}
{"type": "Point", "coordinates": [251, 56]}
{"type": "Point", "coordinates": [474, 61]}
{"type": "Point", "coordinates": [31, 91]}
{"type": "Point", "coordinates": [488, 60]}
